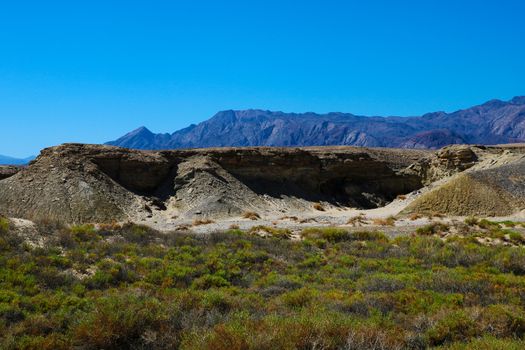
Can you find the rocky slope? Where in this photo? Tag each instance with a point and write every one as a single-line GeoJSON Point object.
{"type": "Point", "coordinates": [490, 123]}
{"type": "Point", "coordinates": [493, 184]}
{"type": "Point", "coordinates": [85, 183]}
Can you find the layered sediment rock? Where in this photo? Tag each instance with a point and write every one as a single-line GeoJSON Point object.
{"type": "Point", "coordinates": [86, 183]}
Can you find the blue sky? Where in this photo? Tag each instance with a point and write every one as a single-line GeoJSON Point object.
{"type": "Point", "coordinates": [90, 71]}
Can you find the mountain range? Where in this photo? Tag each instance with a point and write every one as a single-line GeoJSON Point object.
{"type": "Point", "coordinates": [493, 122]}
{"type": "Point", "coordinates": [6, 160]}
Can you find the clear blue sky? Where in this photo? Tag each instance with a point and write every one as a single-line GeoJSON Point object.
{"type": "Point", "coordinates": [90, 71]}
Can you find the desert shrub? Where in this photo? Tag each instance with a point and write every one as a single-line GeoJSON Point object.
{"type": "Point", "coordinates": [251, 215]}
{"type": "Point", "coordinates": [199, 222]}
{"type": "Point", "coordinates": [502, 321]}
{"type": "Point", "coordinates": [471, 220]}
{"type": "Point", "coordinates": [356, 220]}
{"type": "Point", "coordinates": [210, 281]}
{"type": "Point", "coordinates": [487, 343]}
{"type": "Point", "coordinates": [216, 299]}
{"type": "Point", "coordinates": [331, 234]}
{"type": "Point", "coordinates": [265, 231]}
{"type": "Point", "coordinates": [432, 229]}
{"type": "Point", "coordinates": [84, 233]}
{"type": "Point", "coordinates": [486, 224]}
{"type": "Point", "coordinates": [389, 221]}
{"type": "Point", "coordinates": [139, 234]}
{"type": "Point", "coordinates": [508, 223]}
{"type": "Point", "coordinates": [118, 321]}
{"type": "Point", "coordinates": [4, 225]}
{"type": "Point", "coordinates": [381, 283]}
{"type": "Point", "coordinates": [415, 216]}
{"type": "Point", "coordinates": [298, 298]}
{"type": "Point", "coordinates": [516, 237]}
{"type": "Point", "coordinates": [369, 236]}
{"type": "Point", "coordinates": [511, 260]}
{"type": "Point", "coordinates": [452, 326]}
{"type": "Point", "coordinates": [318, 206]}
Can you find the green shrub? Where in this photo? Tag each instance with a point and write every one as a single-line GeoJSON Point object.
{"type": "Point", "coordinates": [516, 237]}
{"type": "Point", "coordinates": [369, 236]}
{"type": "Point", "coordinates": [210, 281]}
{"type": "Point", "coordinates": [486, 224]}
{"type": "Point", "coordinates": [84, 233]}
{"type": "Point", "coordinates": [453, 326]}
{"type": "Point", "coordinates": [270, 231]}
{"type": "Point", "coordinates": [330, 234]}
{"type": "Point", "coordinates": [432, 229]}
{"type": "Point", "coordinates": [4, 225]}
{"type": "Point", "coordinates": [471, 221]}
{"type": "Point", "coordinates": [117, 322]}
{"type": "Point", "coordinates": [511, 260]}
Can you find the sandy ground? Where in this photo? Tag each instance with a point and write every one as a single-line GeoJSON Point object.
{"type": "Point", "coordinates": [332, 216]}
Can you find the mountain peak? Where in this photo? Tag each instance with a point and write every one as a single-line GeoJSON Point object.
{"type": "Point", "coordinates": [518, 100]}
{"type": "Point", "coordinates": [140, 131]}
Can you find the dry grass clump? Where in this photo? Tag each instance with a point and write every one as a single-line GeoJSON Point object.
{"type": "Point", "coordinates": [182, 227]}
{"type": "Point", "coordinates": [114, 226]}
{"type": "Point", "coordinates": [471, 221]}
{"type": "Point", "coordinates": [234, 227]}
{"type": "Point", "coordinates": [401, 197]}
{"type": "Point", "coordinates": [432, 229]}
{"type": "Point", "coordinates": [319, 206]}
{"type": "Point", "coordinates": [251, 215]}
{"type": "Point", "coordinates": [435, 214]}
{"type": "Point", "coordinates": [266, 231]}
{"type": "Point", "coordinates": [389, 221]}
{"type": "Point", "coordinates": [198, 222]}
{"type": "Point", "coordinates": [357, 220]}
{"type": "Point", "coordinates": [292, 218]}
{"type": "Point", "coordinates": [415, 216]}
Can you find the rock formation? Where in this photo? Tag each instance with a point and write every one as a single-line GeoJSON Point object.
{"type": "Point", "coordinates": [75, 183]}
{"type": "Point", "coordinates": [85, 183]}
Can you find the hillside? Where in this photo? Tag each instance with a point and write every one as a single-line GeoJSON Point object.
{"type": "Point", "coordinates": [495, 122]}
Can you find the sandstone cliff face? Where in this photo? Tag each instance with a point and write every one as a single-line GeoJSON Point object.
{"type": "Point", "coordinates": [87, 183]}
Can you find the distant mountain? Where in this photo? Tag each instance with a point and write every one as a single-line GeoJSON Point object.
{"type": "Point", "coordinates": [5, 160]}
{"type": "Point", "coordinates": [490, 123]}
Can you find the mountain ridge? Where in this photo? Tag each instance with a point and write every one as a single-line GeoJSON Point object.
{"type": "Point", "coordinates": [6, 160]}
{"type": "Point", "coordinates": [495, 121]}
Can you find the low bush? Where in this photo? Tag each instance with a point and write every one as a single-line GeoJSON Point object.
{"type": "Point", "coordinates": [331, 234]}
{"type": "Point", "coordinates": [199, 222]}
{"type": "Point", "coordinates": [389, 221]}
{"type": "Point", "coordinates": [4, 225]}
{"type": "Point", "coordinates": [432, 229]}
{"type": "Point", "coordinates": [319, 207]}
{"type": "Point", "coordinates": [251, 215]}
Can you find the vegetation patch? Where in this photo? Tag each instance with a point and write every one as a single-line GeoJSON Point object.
{"type": "Point", "coordinates": [131, 287]}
